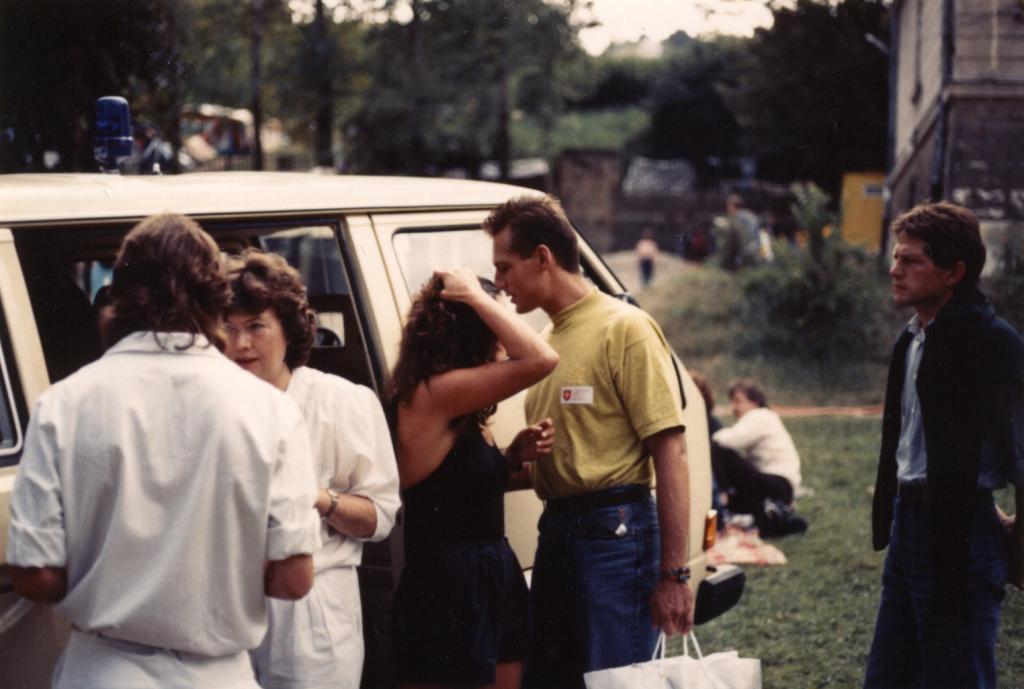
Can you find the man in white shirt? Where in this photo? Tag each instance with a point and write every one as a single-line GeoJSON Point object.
{"type": "Point", "coordinates": [163, 491]}
{"type": "Point", "coordinates": [756, 461]}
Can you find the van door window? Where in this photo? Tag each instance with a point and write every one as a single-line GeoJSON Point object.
{"type": "Point", "coordinates": [420, 252]}
{"type": "Point", "coordinates": [340, 346]}
{"type": "Point", "coordinates": [11, 405]}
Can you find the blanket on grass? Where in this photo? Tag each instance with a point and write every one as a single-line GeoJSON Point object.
{"type": "Point", "coordinates": [738, 546]}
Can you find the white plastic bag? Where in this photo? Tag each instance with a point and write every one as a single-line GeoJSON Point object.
{"type": "Point", "coordinates": [724, 670]}
{"type": "Point", "coordinates": [649, 675]}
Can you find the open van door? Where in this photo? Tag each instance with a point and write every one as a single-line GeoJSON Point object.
{"type": "Point", "coordinates": [31, 636]}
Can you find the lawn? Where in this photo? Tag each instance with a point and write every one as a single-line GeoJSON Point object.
{"type": "Point", "coordinates": [811, 620]}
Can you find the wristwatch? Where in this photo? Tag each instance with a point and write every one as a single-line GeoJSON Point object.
{"type": "Point", "coordinates": [334, 504]}
{"type": "Point", "coordinates": [680, 575]}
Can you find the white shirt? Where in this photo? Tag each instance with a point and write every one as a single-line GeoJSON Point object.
{"type": "Point", "coordinates": [352, 453]}
{"type": "Point", "coordinates": [911, 456]}
{"type": "Point", "coordinates": [162, 479]}
{"type": "Point", "coordinates": [760, 438]}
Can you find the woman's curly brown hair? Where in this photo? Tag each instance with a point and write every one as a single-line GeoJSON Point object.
{"type": "Point", "coordinates": [441, 336]}
{"type": "Point", "coordinates": [261, 281]}
{"type": "Point", "coordinates": [168, 277]}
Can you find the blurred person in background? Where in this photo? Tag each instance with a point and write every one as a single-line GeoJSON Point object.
{"type": "Point", "coordinates": [163, 492]}
{"type": "Point", "coordinates": [316, 642]}
{"type": "Point", "coordinates": [647, 255]}
{"type": "Point", "coordinates": [759, 467]}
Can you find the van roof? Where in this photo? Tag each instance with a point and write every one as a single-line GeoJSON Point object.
{"type": "Point", "coordinates": [68, 198]}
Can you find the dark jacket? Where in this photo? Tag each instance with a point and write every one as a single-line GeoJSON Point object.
{"type": "Point", "coordinates": [969, 386]}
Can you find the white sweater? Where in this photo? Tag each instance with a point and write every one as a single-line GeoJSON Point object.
{"type": "Point", "coordinates": [760, 438]}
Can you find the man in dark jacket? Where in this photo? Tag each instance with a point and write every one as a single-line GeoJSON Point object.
{"type": "Point", "coordinates": [952, 432]}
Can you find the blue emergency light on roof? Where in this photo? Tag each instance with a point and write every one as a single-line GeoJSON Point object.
{"type": "Point", "coordinates": [112, 141]}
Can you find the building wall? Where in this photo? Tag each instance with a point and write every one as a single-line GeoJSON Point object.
{"type": "Point", "coordinates": [919, 70]}
{"type": "Point", "coordinates": [985, 162]}
{"type": "Point", "coordinates": [587, 183]}
{"type": "Point", "coordinates": [989, 40]}
{"type": "Point", "coordinates": [912, 185]}
{"type": "Point", "coordinates": [985, 166]}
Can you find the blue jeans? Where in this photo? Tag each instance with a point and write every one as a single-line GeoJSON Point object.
{"type": "Point", "coordinates": [593, 577]}
{"type": "Point", "coordinates": [914, 649]}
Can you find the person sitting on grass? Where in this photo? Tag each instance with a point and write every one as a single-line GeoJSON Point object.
{"type": "Point", "coordinates": [757, 464]}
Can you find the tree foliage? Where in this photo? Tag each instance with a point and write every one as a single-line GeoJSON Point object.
{"type": "Point", "coordinates": [826, 302]}
{"type": "Point", "coordinates": [689, 117]}
{"type": "Point", "coordinates": [57, 58]}
{"type": "Point", "coordinates": [814, 102]}
{"type": "Point", "coordinates": [444, 87]}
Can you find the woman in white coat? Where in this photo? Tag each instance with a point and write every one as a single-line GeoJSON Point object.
{"type": "Point", "coordinates": [317, 641]}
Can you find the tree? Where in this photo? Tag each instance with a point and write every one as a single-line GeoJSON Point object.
{"type": "Point", "coordinates": [689, 117]}
{"type": "Point", "coordinates": [814, 101]}
{"type": "Point", "coordinates": [487, 60]}
{"type": "Point", "coordinates": [57, 58]}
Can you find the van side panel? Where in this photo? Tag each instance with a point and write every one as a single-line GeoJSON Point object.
{"type": "Point", "coordinates": [28, 350]}
{"type": "Point", "coordinates": [31, 636]}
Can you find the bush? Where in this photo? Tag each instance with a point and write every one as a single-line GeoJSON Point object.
{"type": "Point", "coordinates": [1005, 288]}
{"type": "Point", "coordinates": [826, 301]}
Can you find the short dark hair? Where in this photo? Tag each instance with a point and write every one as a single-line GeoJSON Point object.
{"type": "Point", "coordinates": [536, 220]}
{"type": "Point", "coordinates": [261, 281]}
{"type": "Point", "coordinates": [950, 233]}
{"type": "Point", "coordinates": [168, 277]}
{"type": "Point", "coordinates": [750, 390]}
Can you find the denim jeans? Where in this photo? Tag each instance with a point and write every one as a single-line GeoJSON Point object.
{"type": "Point", "coordinates": [914, 649]}
{"type": "Point", "coordinates": [593, 577]}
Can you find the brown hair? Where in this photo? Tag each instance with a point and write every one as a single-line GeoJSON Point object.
{"type": "Point", "coordinates": [168, 277]}
{"type": "Point", "coordinates": [441, 336]}
{"type": "Point", "coordinates": [261, 281]}
{"type": "Point", "coordinates": [750, 390]}
{"type": "Point", "coordinates": [705, 390]}
{"type": "Point", "coordinates": [950, 233]}
{"type": "Point", "coordinates": [536, 220]}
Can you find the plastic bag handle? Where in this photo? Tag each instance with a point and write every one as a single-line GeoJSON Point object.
{"type": "Point", "coordinates": [696, 646]}
{"type": "Point", "coordinates": [659, 648]}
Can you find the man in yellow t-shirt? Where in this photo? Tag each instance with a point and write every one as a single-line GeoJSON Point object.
{"type": "Point", "coordinates": [610, 568]}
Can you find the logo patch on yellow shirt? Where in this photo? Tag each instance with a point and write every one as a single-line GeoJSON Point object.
{"type": "Point", "coordinates": [577, 394]}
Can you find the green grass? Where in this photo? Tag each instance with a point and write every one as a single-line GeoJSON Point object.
{"type": "Point", "coordinates": [811, 621]}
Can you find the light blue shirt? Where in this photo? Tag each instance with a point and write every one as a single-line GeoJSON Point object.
{"type": "Point", "coordinates": [911, 455]}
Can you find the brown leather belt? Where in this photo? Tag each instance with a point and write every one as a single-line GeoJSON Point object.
{"type": "Point", "coordinates": [587, 502]}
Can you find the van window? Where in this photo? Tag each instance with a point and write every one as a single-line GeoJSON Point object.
{"type": "Point", "coordinates": [10, 404]}
{"type": "Point", "coordinates": [421, 251]}
{"type": "Point", "coordinates": [66, 272]}
{"type": "Point", "coordinates": [340, 346]}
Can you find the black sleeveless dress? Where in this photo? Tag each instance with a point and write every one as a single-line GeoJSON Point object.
{"type": "Point", "coordinates": [462, 602]}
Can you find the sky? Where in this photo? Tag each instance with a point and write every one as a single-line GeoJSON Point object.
{"type": "Point", "coordinates": [627, 20]}
{"type": "Point", "coordinates": [621, 21]}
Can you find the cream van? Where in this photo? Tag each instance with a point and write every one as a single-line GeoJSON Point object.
{"type": "Point", "coordinates": [364, 245]}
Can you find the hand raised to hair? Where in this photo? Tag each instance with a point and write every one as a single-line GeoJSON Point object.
{"type": "Point", "coordinates": [459, 284]}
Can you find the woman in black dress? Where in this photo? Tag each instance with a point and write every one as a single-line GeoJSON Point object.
{"type": "Point", "coordinates": [461, 609]}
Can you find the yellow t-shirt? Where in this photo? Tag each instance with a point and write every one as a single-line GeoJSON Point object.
{"type": "Point", "coordinates": [614, 386]}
